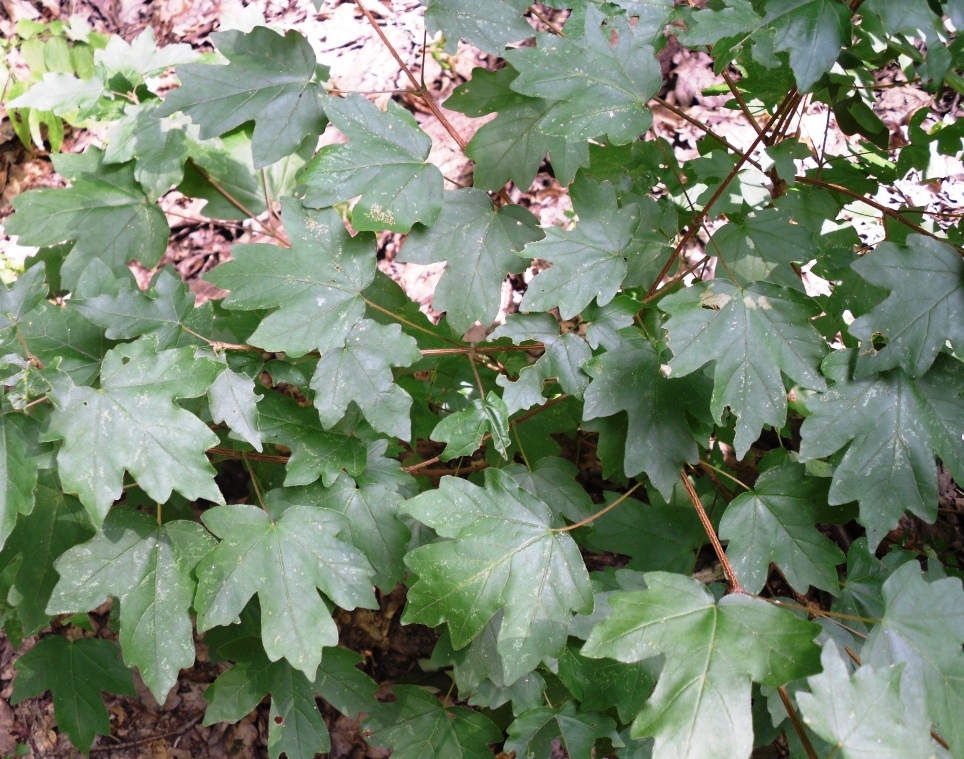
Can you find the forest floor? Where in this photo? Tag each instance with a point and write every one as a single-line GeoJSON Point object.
{"type": "Point", "coordinates": [141, 728]}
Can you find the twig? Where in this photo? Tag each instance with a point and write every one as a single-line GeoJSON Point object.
{"type": "Point", "coordinates": [741, 102]}
{"type": "Point", "coordinates": [150, 738]}
{"type": "Point", "coordinates": [732, 582]}
{"type": "Point", "coordinates": [797, 724]}
{"type": "Point", "coordinates": [594, 517]}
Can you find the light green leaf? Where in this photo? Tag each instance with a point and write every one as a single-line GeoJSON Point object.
{"type": "Point", "coordinates": [361, 372]}
{"type": "Point", "coordinates": [315, 451]}
{"type": "Point", "coordinates": [234, 402]}
{"type": "Point", "coordinates": [464, 430]}
{"type": "Point", "coordinates": [861, 715]}
{"type": "Point", "coordinates": [61, 93]}
{"type": "Point", "coordinates": [490, 25]}
{"type": "Point", "coordinates": [774, 522]}
{"type": "Point", "coordinates": [707, 26]}
{"type": "Point", "coordinates": [502, 553]}
{"type": "Point", "coordinates": [589, 262]}
{"type": "Point", "coordinates": [553, 480]}
{"type": "Point", "coordinates": [159, 146]}
{"type": "Point", "coordinates": [75, 673]}
{"type": "Point", "coordinates": [104, 212]}
{"type": "Point", "coordinates": [532, 734]}
{"type": "Point", "coordinates": [417, 726]}
{"type": "Point", "coordinates": [812, 32]}
{"type": "Point", "coordinates": [511, 146]}
{"type": "Point", "coordinates": [141, 57]}
{"type": "Point", "coordinates": [923, 629]}
{"type": "Point", "coordinates": [659, 441]}
{"type": "Point", "coordinates": [131, 422]}
{"type": "Point", "coordinates": [753, 334]}
{"type": "Point", "coordinates": [479, 243]}
{"type": "Point", "coordinates": [701, 705]}
{"type": "Point", "coordinates": [599, 87]}
{"type": "Point", "coordinates": [315, 285]}
{"type": "Point", "coordinates": [894, 426]}
{"type": "Point", "coordinates": [23, 295]}
{"type": "Point", "coordinates": [283, 560]}
{"type": "Point", "coordinates": [269, 79]}
{"type": "Point", "coordinates": [384, 162]}
{"type": "Point", "coordinates": [924, 310]}
{"type": "Point", "coordinates": [148, 567]}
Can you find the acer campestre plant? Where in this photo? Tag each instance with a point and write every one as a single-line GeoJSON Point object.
{"type": "Point", "coordinates": [673, 334]}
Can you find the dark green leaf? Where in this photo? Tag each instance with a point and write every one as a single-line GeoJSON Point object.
{"type": "Point", "coordinates": [752, 334]}
{"type": "Point", "coordinates": [75, 672]}
{"type": "Point", "coordinates": [598, 87]}
{"type": "Point", "coordinates": [19, 463]}
{"type": "Point", "coordinates": [269, 79]}
{"type": "Point", "coordinates": [479, 244]}
{"type": "Point", "coordinates": [131, 422]}
{"type": "Point", "coordinates": [602, 683]}
{"type": "Point", "coordinates": [148, 567]}
{"type": "Point", "coordinates": [812, 32]}
{"type": "Point", "coordinates": [925, 308]}
{"type": "Point", "coordinates": [384, 162]}
{"type": "Point", "coordinates": [894, 426]}
{"type": "Point", "coordinates": [234, 402]}
{"type": "Point", "coordinates": [774, 522]}
{"type": "Point", "coordinates": [416, 725]}
{"type": "Point", "coordinates": [532, 734]}
{"type": "Point", "coordinates": [464, 430]}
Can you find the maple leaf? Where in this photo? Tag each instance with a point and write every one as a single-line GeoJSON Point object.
{"type": "Point", "coordinates": [270, 79]}
{"type": "Point", "coordinates": [753, 334]}
{"type": "Point", "coordinates": [464, 430]}
{"type": "Point", "coordinates": [148, 567]}
{"type": "Point", "coordinates": [701, 704]}
{"type": "Point", "coordinates": [315, 286]}
{"type": "Point", "coordinates": [490, 25]}
{"type": "Point", "coordinates": [924, 310]}
{"type": "Point", "coordinates": [384, 162]}
{"type": "Point", "coordinates": [19, 451]}
{"type": "Point", "coordinates": [894, 425]}
{"type": "Point", "coordinates": [104, 212]}
{"type": "Point", "coordinates": [812, 32]}
{"type": "Point", "coordinates": [75, 673]}
{"type": "Point", "coordinates": [131, 422]}
{"type": "Point", "coordinates": [774, 522]}
{"type": "Point", "coordinates": [532, 733]}
{"type": "Point", "coordinates": [478, 243]}
{"type": "Point", "coordinates": [599, 88]}
{"type": "Point", "coordinates": [283, 559]}
{"type": "Point", "coordinates": [502, 552]}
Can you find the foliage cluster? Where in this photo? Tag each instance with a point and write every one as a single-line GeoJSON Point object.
{"type": "Point", "coordinates": [606, 417]}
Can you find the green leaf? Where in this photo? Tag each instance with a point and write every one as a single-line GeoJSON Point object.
{"type": "Point", "coordinates": [416, 725]}
{"type": "Point", "coordinates": [57, 523]}
{"type": "Point", "coordinates": [600, 88]}
{"type": "Point", "coordinates": [752, 334]}
{"type": "Point", "coordinates": [315, 285]}
{"type": "Point", "coordinates": [490, 25]}
{"type": "Point", "coordinates": [148, 567]}
{"type": "Point", "coordinates": [75, 672]}
{"type": "Point", "coordinates": [761, 246]}
{"type": "Point", "coordinates": [894, 425]}
{"type": "Point", "coordinates": [532, 734]}
{"type": "Point", "coordinates": [812, 32]}
{"type": "Point", "coordinates": [375, 529]}
{"type": "Point", "coordinates": [502, 553]}
{"type": "Point", "coordinates": [27, 292]}
{"type": "Point", "coordinates": [511, 147]}
{"type": "Point", "coordinates": [589, 262]}
{"type": "Point", "coordinates": [707, 26]}
{"type": "Point", "coordinates": [774, 522]}
{"type": "Point", "coordinates": [234, 402]}
{"type": "Point", "coordinates": [601, 683]}
{"type": "Point", "coordinates": [384, 162]}
{"type": "Point", "coordinates": [159, 146]}
{"type": "Point", "coordinates": [479, 244]}
{"type": "Point", "coordinates": [269, 79]}
{"type": "Point", "coordinates": [283, 560]}
{"type": "Point", "coordinates": [18, 469]}
{"type": "Point", "coordinates": [924, 310]}
{"type": "Point", "coordinates": [141, 57]}
{"type": "Point", "coordinates": [104, 212]}
{"type": "Point", "coordinates": [861, 715]}
{"type": "Point", "coordinates": [923, 629]}
{"type": "Point", "coordinates": [361, 372]}
{"type": "Point", "coordinates": [343, 685]}
{"type": "Point", "coordinates": [131, 422]}
{"type": "Point", "coordinates": [61, 93]}
{"type": "Point", "coordinates": [315, 451]}
{"type": "Point", "coordinates": [53, 332]}
{"type": "Point", "coordinates": [464, 430]}
{"type": "Point", "coordinates": [553, 480]}
{"type": "Point", "coordinates": [701, 704]}
{"type": "Point", "coordinates": [659, 441]}
{"type": "Point", "coordinates": [124, 311]}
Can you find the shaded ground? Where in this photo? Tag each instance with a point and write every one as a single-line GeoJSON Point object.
{"type": "Point", "coordinates": [140, 728]}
